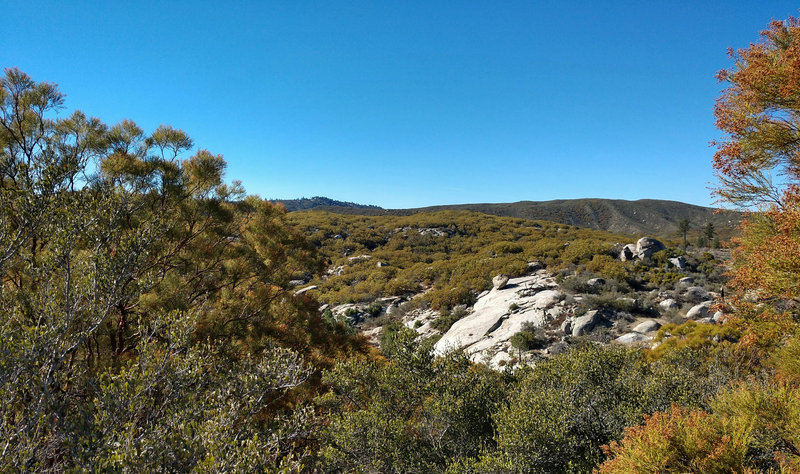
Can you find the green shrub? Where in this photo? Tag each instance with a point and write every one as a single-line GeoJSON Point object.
{"type": "Point", "coordinates": [447, 318]}
{"type": "Point", "coordinates": [447, 299]}
{"type": "Point", "coordinates": [608, 267]}
{"type": "Point", "coordinates": [564, 410]}
{"type": "Point", "coordinates": [529, 338]}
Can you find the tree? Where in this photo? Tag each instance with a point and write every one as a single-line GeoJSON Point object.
{"type": "Point", "coordinates": [147, 321]}
{"type": "Point", "coordinates": [706, 236]}
{"type": "Point", "coordinates": [758, 163]}
{"type": "Point", "coordinates": [683, 229]}
{"type": "Point", "coordinates": [708, 231]}
{"type": "Point", "coordinates": [759, 111]}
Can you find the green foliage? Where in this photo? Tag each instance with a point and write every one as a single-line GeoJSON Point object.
{"type": "Point", "coordinates": [448, 299]}
{"type": "Point", "coordinates": [608, 267]}
{"type": "Point", "coordinates": [146, 318]}
{"type": "Point", "coordinates": [451, 254]}
{"type": "Point", "coordinates": [683, 229]}
{"type": "Point", "coordinates": [565, 409]}
{"type": "Point", "coordinates": [616, 301]}
{"type": "Point", "coordinates": [412, 413]}
{"type": "Point", "coordinates": [583, 250]}
{"type": "Point", "coordinates": [528, 339]}
{"type": "Point", "coordinates": [749, 427]}
{"type": "Point", "coordinates": [771, 411]}
{"type": "Point", "coordinates": [694, 335]}
{"type": "Point", "coordinates": [447, 318]}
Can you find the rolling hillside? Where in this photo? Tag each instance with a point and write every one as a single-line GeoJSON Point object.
{"type": "Point", "coordinates": [642, 217]}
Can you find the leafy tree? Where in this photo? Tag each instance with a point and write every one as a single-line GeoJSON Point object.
{"type": "Point", "coordinates": [147, 320]}
{"type": "Point", "coordinates": [757, 163]}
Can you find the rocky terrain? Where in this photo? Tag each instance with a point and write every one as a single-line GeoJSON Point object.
{"type": "Point", "coordinates": [554, 315]}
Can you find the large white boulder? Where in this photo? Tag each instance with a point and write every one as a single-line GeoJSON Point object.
{"type": "Point", "coordinates": [500, 281]}
{"type": "Point", "coordinates": [699, 311]}
{"type": "Point", "coordinates": [647, 246]}
{"type": "Point", "coordinates": [647, 326]}
{"type": "Point", "coordinates": [668, 304]}
{"type": "Point", "coordinates": [696, 294]}
{"type": "Point", "coordinates": [633, 338]}
{"type": "Point", "coordinates": [628, 252]}
{"type": "Point", "coordinates": [584, 324]}
{"type": "Point", "coordinates": [492, 323]}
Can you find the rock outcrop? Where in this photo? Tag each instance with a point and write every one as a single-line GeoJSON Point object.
{"type": "Point", "coordinates": [668, 304]}
{"type": "Point", "coordinates": [584, 324]}
{"type": "Point", "coordinates": [633, 338]}
{"type": "Point", "coordinates": [647, 246]}
{"type": "Point", "coordinates": [643, 249]}
{"type": "Point", "coordinates": [486, 331]}
{"type": "Point", "coordinates": [678, 262]}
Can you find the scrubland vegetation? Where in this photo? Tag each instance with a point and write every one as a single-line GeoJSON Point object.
{"type": "Point", "coordinates": [150, 319]}
{"type": "Point", "coordinates": [451, 255]}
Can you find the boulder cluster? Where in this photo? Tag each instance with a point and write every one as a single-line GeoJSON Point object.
{"type": "Point", "coordinates": [554, 316]}
{"type": "Point", "coordinates": [643, 249]}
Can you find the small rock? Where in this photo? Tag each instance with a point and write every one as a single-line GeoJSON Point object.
{"type": "Point", "coordinates": [296, 282]}
{"type": "Point", "coordinates": [632, 338]}
{"type": "Point", "coordinates": [374, 336]}
{"type": "Point", "coordinates": [628, 252]}
{"type": "Point", "coordinates": [557, 348]}
{"type": "Point", "coordinates": [705, 321]}
{"type": "Point", "coordinates": [534, 266]}
{"type": "Point", "coordinates": [382, 264]}
{"type": "Point", "coordinates": [358, 258]}
{"type": "Point", "coordinates": [566, 326]}
{"type": "Point", "coordinates": [678, 262]}
{"type": "Point", "coordinates": [596, 282]}
{"type": "Point", "coordinates": [500, 281]}
{"type": "Point", "coordinates": [699, 311]}
{"type": "Point", "coordinates": [669, 304]}
{"type": "Point", "coordinates": [647, 326]}
{"type": "Point", "coordinates": [500, 359]}
{"type": "Point", "coordinates": [718, 316]}
{"type": "Point", "coordinates": [303, 290]}
{"type": "Point", "coordinates": [546, 299]}
{"type": "Point", "coordinates": [632, 302]}
{"type": "Point", "coordinates": [696, 294]}
{"type": "Point", "coordinates": [584, 324]}
{"type": "Point", "coordinates": [686, 281]}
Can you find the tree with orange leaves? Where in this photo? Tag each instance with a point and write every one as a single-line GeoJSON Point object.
{"type": "Point", "coordinates": [758, 164]}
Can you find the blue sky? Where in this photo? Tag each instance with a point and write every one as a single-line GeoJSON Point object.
{"type": "Point", "coordinates": [407, 104]}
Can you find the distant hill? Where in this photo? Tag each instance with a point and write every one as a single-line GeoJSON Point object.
{"type": "Point", "coordinates": [645, 216]}
{"type": "Point", "coordinates": [642, 217]}
{"type": "Point", "coordinates": [320, 203]}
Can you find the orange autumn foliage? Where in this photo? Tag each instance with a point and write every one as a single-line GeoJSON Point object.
{"type": "Point", "coordinates": [758, 164]}
{"type": "Point", "coordinates": [680, 440]}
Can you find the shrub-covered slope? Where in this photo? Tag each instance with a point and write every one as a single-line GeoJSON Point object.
{"type": "Point", "coordinates": [643, 217]}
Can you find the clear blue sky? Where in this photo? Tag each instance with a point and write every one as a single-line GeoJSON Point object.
{"type": "Point", "coordinates": [409, 103]}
